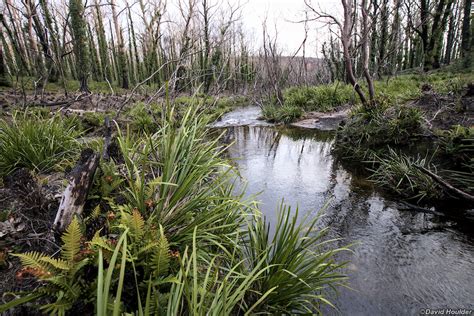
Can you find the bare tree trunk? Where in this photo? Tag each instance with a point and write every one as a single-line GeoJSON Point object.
{"type": "Point", "coordinates": [121, 62]}
{"type": "Point", "coordinates": [365, 51]}
{"type": "Point", "coordinates": [346, 45]}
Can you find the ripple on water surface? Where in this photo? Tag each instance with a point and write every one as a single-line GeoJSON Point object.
{"type": "Point", "coordinates": [402, 261]}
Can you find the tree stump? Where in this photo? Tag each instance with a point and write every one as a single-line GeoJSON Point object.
{"type": "Point", "coordinates": [75, 194]}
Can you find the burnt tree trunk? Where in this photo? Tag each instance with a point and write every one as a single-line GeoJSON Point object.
{"type": "Point", "coordinates": [75, 195]}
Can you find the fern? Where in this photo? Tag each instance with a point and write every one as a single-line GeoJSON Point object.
{"type": "Point", "coordinates": [72, 241]}
{"type": "Point", "coordinates": [147, 248]}
{"type": "Point", "coordinates": [137, 223]}
{"type": "Point", "coordinates": [96, 212]}
{"type": "Point", "coordinates": [97, 240]}
{"type": "Point", "coordinates": [32, 260]}
{"type": "Point", "coordinates": [161, 258]}
{"type": "Point", "coordinates": [56, 263]}
{"type": "Point", "coordinates": [57, 308]}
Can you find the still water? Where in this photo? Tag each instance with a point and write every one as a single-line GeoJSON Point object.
{"type": "Point", "coordinates": [402, 260]}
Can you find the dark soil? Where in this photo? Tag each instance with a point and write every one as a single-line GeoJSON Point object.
{"type": "Point", "coordinates": [28, 204]}
{"type": "Point", "coordinates": [444, 111]}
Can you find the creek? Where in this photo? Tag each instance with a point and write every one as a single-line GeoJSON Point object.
{"type": "Point", "coordinates": [402, 260]}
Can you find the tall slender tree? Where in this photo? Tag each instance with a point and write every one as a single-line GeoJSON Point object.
{"type": "Point", "coordinates": [79, 30]}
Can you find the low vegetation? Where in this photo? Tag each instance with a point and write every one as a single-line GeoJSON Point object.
{"type": "Point", "coordinates": [390, 91]}
{"type": "Point", "coordinates": [403, 175]}
{"type": "Point", "coordinates": [165, 233]}
{"type": "Point", "coordinates": [375, 127]}
{"type": "Point", "coordinates": [29, 141]}
{"type": "Point", "coordinates": [385, 135]}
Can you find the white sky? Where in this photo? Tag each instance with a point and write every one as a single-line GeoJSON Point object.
{"type": "Point", "coordinates": [281, 13]}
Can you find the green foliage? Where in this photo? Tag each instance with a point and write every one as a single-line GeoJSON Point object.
{"type": "Point", "coordinates": [71, 241]}
{"type": "Point", "coordinates": [60, 280]}
{"type": "Point", "coordinates": [398, 89]}
{"type": "Point", "coordinates": [35, 143]}
{"type": "Point", "coordinates": [457, 146]}
{"type": "Point", "coordinates": [93, 120]}
{"type": "Point", "coordinates": [457, 143]}
{"type": "Point", "coordinates": [181, 241]}
{"type": "Point", "coordinates": [402, 174]}
{"type": "Point", "coordinates": [297, 271]}
{"type": "Point", "coordinates": [322, 98]}
{"type": "Point", "coordinates": [144, 117]}
{"type": "Point", "coordinates": [374, 127]}
{"type": "Point", "coordinates": [79, 29]}
{"type": "Point", "coordinates": [285, 114]}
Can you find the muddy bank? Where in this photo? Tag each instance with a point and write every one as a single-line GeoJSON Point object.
{"type": "Point", "coordinates": [322, 120]}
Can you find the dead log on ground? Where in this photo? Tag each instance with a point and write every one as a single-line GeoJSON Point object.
{"type": "Point", "coordinates": [448, 187]}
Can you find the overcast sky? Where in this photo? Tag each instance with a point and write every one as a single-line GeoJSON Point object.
{"type": "Point", "coordinates": [282, 14]}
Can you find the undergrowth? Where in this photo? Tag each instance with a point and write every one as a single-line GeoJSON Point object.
{"type": "Point", "coordinates": [169, 235]}
{"type": "Point", "coordinates": [403, 175]}
{"type": "Point", "coordinates": [30, 141]}
{"type": "Point", "coordinates": [370, 128]}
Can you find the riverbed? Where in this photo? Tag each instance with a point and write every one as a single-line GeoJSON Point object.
{"type": "Point", "coordinates": [402, 260]}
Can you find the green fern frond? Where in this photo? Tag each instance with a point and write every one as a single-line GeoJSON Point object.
{"type": "Point", "coordinates": [68, 290]}
{"type": "Point", "coordinates": [96, 212]}
{"type": "Point", "coordinates": [147, 248]}
{"type": "Point", "coordinates": [57, 308]}
{"type": "Point", "coordinates": [56, 263]}
{"type": "Point", "coordinates": [32, 260]}
{"type": "Point", "coordinates": [161, 258]}
{"type": "Point", "coordinates": [72, 241]}
{"type": "Point", "coordinates": [137, 222]}
{"type": "Point", "coordinates": [99, 241]}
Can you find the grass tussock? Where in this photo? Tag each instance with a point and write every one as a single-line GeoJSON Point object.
{"type": "Point", "coordinates": [322, 98]}
{"type": "Point", "coordinates": [402, 174]}
{"type": "Point", "coordinates": [457, 147]}
{"type": "Point", "coordinates": [375, 127]}
{"type": "Point", "coordinates": [27, 140]}
{"type": "Point", "coordinates": [281, 114]}
{"type": "Point", "coordinates": [168, 235]}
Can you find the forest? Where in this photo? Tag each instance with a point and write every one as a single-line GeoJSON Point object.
{"type": "Point", "coordinates": [163, 157]}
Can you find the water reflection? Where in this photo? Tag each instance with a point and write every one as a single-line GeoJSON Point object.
{"type": "Point", "coordinates": [403, 260]}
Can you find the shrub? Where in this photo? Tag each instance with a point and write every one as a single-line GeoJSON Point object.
{"type": "Point", "coordinates": [34, 143]}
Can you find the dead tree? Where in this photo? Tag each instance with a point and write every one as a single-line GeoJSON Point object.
{"type": "Point", "coordinates": [346, 30]}
{"type": "Point", "coordinates": [365, 51]}
{"type": "Point", "coordinates": [75, 194]}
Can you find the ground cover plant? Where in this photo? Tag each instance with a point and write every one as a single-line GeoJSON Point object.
{"type": "Point", "coordinates": [27, 140]}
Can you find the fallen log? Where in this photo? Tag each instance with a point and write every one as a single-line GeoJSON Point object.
{"type": "Point", "coordinates": [65, 103]}
{"type": "Point", "coordinates": [448, 187]}
{"type": "Point", "coordinates": [75, 195]}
